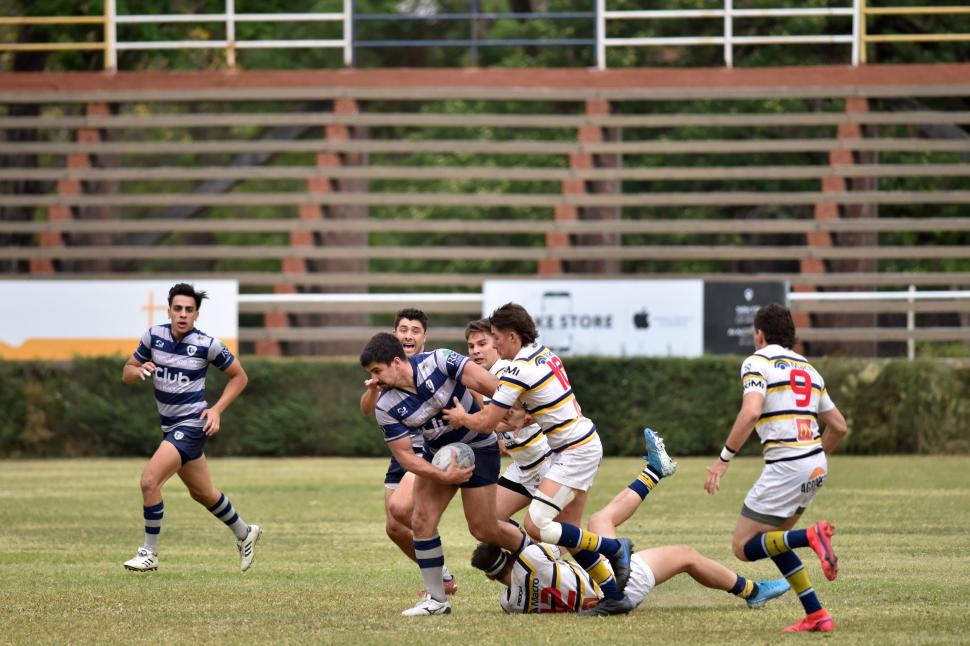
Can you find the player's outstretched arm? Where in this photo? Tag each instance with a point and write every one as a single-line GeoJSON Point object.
{"type": "Point", "coordinates": [836, 429]}
{"type": "Point", "coordinates": [484, 421]}
{"type": "Point", "coordinates": [751, 406]}
{"type": "Point", "coordinates": [236, 384]}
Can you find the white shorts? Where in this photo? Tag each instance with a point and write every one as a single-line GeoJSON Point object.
{"type": "Point", "coordinates": [529, 480]}
{"type": "Point", "coordinates": [577, 467]}
{"type": "Point", "coordinates": [641, 581]}
{"type": "Point", "coordinates": [785, 489]}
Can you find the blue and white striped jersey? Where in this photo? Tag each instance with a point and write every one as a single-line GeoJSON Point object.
{"type": "Point", "coordinates": [180, 372]}
{"type": "Point", "coordinates": [437, 380]}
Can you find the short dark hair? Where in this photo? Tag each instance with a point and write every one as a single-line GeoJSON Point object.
{"type": "Point", "coordinates": [481, 325]}
{"type": "Point", "coordinates": [489, 557]}
{"type": "Point", "coordinates": [184, 289]}
{"type": "Point", "coordinates": [412, 314]}
{"type": "Point", "coordinates": [513, 317]}
{"type": "Point", "coordinates": [382, 348]}
{"type": "Point", "coordinates": [776, 322]}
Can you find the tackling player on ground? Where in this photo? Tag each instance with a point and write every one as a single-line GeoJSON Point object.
{"type": "Point", "coordinates": [538, 580]}
{"type": "Point", "coordinates": [784, 399]}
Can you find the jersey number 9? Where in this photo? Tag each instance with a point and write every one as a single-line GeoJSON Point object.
{"type": "Point", "coordinates": [801, 384]}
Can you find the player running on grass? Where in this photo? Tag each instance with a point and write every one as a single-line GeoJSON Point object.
{"type": "Point", "coordinates": [539, 580]}
{"type": "Point", "coordinates": [176, 356]}
{"type": "Point", "coordinates": [538, 380]}
{"type": "Point", "coordinates": [411, 329]}
{"type": "Point", "coordinates": [784, 397]}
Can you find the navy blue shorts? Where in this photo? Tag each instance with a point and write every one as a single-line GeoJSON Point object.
{"type": "Point", "coordinates": [188, 441]}
{"type": "Point", "coordinates": [487, 465]}
{"type": "Point", "coordinates": [394, 472]}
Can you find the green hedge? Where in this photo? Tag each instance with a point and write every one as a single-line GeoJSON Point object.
{"type": "Point", "coordinates": [307, 407]}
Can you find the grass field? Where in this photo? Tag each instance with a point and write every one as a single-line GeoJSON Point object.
{"type": "Point", "coordinates": [325, 572]}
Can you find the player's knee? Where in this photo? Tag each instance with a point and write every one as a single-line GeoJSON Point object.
{"type": "Point", "coordinates": [530, 528]}
{"type": "Point", "coordinates": [399, 513]}
{"type": "Point", "coordinates": [597, 520]}
{"type": "Point", "coordinates": [395, 530]}
{"type": "Point", "coordinates": [149, 483]}
{"type": "Point", "coordinates": [738, 546]}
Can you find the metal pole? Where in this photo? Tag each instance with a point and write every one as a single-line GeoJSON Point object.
{"type": "Point", "coordinates": [473, 27]}
{"type": "Point", "coordinates": [349, 30]}
{"type": "Point", "coordinates": [110, 36]}
{"type": "Point", "coordinates": [728, 33]}
{"type": "Point", "coordinates": [856, 20]}
{"type": "Point", "coordinates": [231, 33]}
{"type": "Point", "coordinates": [599, 30]}
{"type": "Point", "coordinates": [911, 325]}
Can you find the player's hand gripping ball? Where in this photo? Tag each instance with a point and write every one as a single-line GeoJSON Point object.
{"type": "Point", "coordinates": [463, 453]}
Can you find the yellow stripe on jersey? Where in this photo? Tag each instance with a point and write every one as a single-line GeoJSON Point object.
{"type": "Point", "coordinates": [542, 382]}
{"type": "Point", "coordinates": [788, 387]}
{"type": "Point", "coordinates": [772, 444]}
{"type": "Point", "coordinates": [581, 580]}
{"type": "Point", "coordinates": [556, 406]}
{"type": "Point", "coordinates": [535, 439]}
{"type": "Point", "coordinates": [502, 382]}
{"type": "Point", "coordinates": [529, 582]}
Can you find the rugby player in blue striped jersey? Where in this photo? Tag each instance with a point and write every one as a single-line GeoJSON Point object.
{"type": "Point", "coordinates": [415, 392]}
{"type": "Point", "coordinates": [784, 399]}
{"type": "Point", "coordinates": [175, 356]}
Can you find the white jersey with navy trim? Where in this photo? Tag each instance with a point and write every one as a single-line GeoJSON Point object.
{"type": "Point", "coordinates": [794, 395]}
{"type": "Point", "coordinates": [527, 446]}
{"type": "Point", "coordinates": [538, 379]}
{"type": "Point", "coordinates": [542, 581]}
{"type": "Point", "coordinates": [179, 377]}
{"type": "Point", "coordinates": [437, 381]}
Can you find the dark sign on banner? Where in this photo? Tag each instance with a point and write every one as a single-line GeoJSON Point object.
{"type": "Point", "coordinates": [729, 310]}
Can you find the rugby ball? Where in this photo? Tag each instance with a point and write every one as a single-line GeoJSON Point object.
{"type": "Point", "coordinates": [463, 453]}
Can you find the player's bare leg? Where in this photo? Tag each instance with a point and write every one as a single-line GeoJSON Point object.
{"type": "Point", "coordinates": [480, 514]}
{"type": "Point", "coordinates": [430, 500]}
{"type": "Point", "coordinates": [161, 466]}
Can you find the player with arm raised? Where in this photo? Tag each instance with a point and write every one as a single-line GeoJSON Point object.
{"type": "Point", "coordinates": [784, 399]}
{"type": "Point", "coordinates": [416, 391]}
{"type": "Point", "coordinates": [176, 356]}
{"type": "Point", "coordinates": [537, 379]}
{"type": "Point", "coordinates": [539, 580]}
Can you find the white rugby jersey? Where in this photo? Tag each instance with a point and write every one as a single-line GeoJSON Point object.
{"type": "Point", "coordinates": [179, 377]}
{"type": "Point", "coordinates": [538, 379]}
{"type": "Point", "coordinates": [794, 395]}
{"type": "Point", "coordinates": [543, 582]}
{"type": "Point", "coordinates": [437, 380]}
{"type": "Point", "coordinates": [527, 446]}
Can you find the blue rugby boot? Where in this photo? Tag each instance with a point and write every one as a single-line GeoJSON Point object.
{"type": "Point", "coordinates": [767, 590]}
{"type": "Point", "coordinates": [657, 459]}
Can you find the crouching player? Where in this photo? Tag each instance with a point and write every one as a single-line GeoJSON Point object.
{"type": "Point", "coordinates": [538, 579]}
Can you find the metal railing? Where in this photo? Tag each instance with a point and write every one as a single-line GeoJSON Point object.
{"type": "Point", "coordinates": [858, 34]}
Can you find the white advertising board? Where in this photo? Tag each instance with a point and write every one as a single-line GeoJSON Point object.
{"type": "Point", "coordinates": [63, 319]}
{"type": "Point", "coordinates": [620, 318]}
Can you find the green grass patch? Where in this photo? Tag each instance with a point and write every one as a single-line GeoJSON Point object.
{"type": "Point", "coordinates": [326, 573]}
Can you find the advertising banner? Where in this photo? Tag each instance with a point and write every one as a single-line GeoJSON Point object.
{"type": "Point", "coordinates": [620, 318]}
{"type": "Point", "coordinates": [729, 310]}
{"type": "Point", "coordinates": [63, 319]}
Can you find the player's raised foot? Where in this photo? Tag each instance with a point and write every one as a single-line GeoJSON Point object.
{"type": "Point", "coordinates": [620, 562]}
{"type": "Point", "coordinates": [656, 457]}
{"type": "Point", "coordinates": [608, 607]}
{"type": "Point", "coordinates": [247, 547]}
{"type": "Point", "coordinates": [767, 590]}
{"type": "Point", "coordinates": [427, 607]}
{"type": "Point", "coordinates": [818, 622]}
{"type": "Point", "coordinates": [820, 540]}
{"type": "Point", "coordinates": [451, 587]}
{"type": "Point", "coordinates": [144, 561]}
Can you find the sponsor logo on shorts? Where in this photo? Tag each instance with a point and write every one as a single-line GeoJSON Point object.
{"type": "Point", "coordinates": [178, 435]}
{"type": "Point", "coordinates": [815, 480]}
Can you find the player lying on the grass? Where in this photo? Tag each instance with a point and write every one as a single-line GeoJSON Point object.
{"type": "Point", "coordinates": [784, 398]}
{"type": "Point", "coordinates": [537, 380]}
{"type": "Point", "coordinates": [416, 390]}
{"type": "Point", "coordinates": [411, 328]}
{"type": "Point", "coordinates": [539, 580]}
{"type": "Point", "coordinates": [176, 356]}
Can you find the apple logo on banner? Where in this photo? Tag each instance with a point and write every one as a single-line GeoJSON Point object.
{"type": "Point", "coordinates": [748, 294]}
{"type": "Point", "coordinates": [641, 320]}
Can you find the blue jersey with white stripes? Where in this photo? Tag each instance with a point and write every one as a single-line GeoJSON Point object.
{"type": "Point", "coordinates": [179, 377]}
{"type": "Point", "coordinates": [437, 381]}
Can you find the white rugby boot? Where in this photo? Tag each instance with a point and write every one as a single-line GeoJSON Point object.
{"type": "Point", "coordinates": [428, 607]}
{"type": "Point", "coordinates": [144, 561]}
{"type": "Point", "coordinates": [247, 547]}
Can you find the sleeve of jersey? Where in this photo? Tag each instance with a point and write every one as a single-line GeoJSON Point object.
{"type": "Point", "coordinates": [144, 350]}
{"type": "Point", "coordinates": [390, 427]}
{"type": "Point", "coordinates": [752, 376]}
{"type": "Point", "coordinates": [825, 403]}
{"type": "Point", "coordinates": [509, 390]}
{"type": "Point", "coordinates": [450, 363]}
{"type": "Point", "coordinates": [219, 355]}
